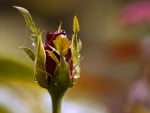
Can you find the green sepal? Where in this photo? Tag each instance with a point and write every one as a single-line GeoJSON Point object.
{"type": "Point", "coordinates": [28, 19]}
{"type": "Point", "coordinates": [79, 47]}
{"type": "Point", "coordinates": [61, 79]}
{"type": "Point", "coordinates": [29, 52]}
{"type": "Point", "coordinates": [76, 27]}
{"type": "Point", "coordinates": [76, 46]}
{"type": "Point", "coordinates": [40, 59]}
{"type": "Point", "coordinates": [53, 56]}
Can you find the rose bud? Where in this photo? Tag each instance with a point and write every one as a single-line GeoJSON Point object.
{"type": "Point", "coordinates": [57, 62]}
{"type": "Point", "coordinates": [50, 47]}
{"type": "Point", "coordinates": [58, 57]}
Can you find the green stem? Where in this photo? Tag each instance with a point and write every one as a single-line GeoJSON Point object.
{"type": "Point", "coordinates": [56, 97]}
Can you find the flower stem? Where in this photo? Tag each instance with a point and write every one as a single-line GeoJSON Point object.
{"type": "Point", "coordinates": [56, 97]}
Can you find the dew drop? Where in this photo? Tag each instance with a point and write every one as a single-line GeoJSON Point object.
{"type": "Point", "coordinates": [33, 44]}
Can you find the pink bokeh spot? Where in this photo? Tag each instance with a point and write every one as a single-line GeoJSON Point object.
{"type": "Point", "coordinates": [135, 13]}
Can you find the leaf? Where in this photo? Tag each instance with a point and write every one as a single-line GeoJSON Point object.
{"type": "Point", "coordinates": [28, 52]}
{"type": "Point", "coordinates": [4, 109]}
{"type": "Point", "coordinates": [53, 56]}
{"type": "Point", "coordinates": [28, 19]}
{"type": "Point", "coordinates": [76, 27]}
{"type": "Point", "coordinates": [62, 44]}
{"type": "Point", "coordinates": [15, 68]}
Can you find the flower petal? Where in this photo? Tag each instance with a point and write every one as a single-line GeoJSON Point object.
{"type": "Point", "coordinates": [62, 44]}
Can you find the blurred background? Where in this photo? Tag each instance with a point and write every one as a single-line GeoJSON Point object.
{"type": "Point", "coordinates": [112, 32]}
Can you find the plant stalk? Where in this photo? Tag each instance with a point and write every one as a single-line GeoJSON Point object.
{"type": "Point", "coordinates": [56, 98]}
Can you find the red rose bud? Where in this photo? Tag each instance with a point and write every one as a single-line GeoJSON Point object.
{"type": "Point", "coordinates": [57, 63]}
{"type": "Point", "coordinates": [49, 44]}
{"type": "Point", "coordinates": [58, 57]}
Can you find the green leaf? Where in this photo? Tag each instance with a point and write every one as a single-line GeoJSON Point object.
{"type": "Point", "coordinates": [15, 68]}
{"type": "Point", "coordinates": [4, 109]}
{"type": "Point", "coordinates": [53, 56]}
{"type": "Point", "coordinates": [28, 19]}
{"type": "Point", "coordinates": [28, 52]}
{"type": "Point", "coordinates": [76, 27]}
